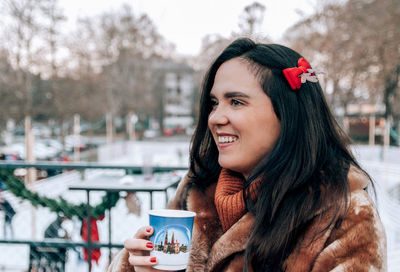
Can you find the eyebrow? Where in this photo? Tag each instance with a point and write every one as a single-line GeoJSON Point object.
{"type": "Point", "coordinates": [232, 94]}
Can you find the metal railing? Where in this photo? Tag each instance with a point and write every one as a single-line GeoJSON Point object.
{"type": "Point", "coordinates": [49, 165]}
{"type": "Point", "coordinates": [388, 206]}
{"type": "Point", "coordinates": [81, 167]}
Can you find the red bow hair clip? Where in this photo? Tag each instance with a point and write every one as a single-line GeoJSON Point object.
{"type": "Point", "coordinates": [300, 74]}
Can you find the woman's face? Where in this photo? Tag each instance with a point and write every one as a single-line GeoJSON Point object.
{"type": "Point", "coordinates": [242, 121]}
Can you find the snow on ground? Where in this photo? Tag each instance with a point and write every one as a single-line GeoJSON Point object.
{"type": "Point", "coordinates": [124, 225]}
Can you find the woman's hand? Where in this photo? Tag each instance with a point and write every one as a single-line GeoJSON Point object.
{"type": "Point", "coordinates": [139, 249]}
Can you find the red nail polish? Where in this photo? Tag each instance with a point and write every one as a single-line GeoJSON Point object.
{"type": "Point", "coordinates": [153, 260]}
{"type": "Point", "coordinates": [148, 229]}
{"type": "Point", "coordinates": [149, 245]}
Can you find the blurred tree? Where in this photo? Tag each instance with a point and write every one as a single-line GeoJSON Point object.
{"type": "Point", "coordinates": [119, 51]}
{"type": "Point", "coordinates": [130, 45]}
{"type": "Point", "coordinates": [326, 45]}
{"type": "Point", "coordinates": [9, 100]}
{"type": "Point", "coordinates": [31, 37]}
{"type": "Point", "coordinates": [250, 22]}
{"type": "Point", "coordinates": [105, 65]}
{"type": "Point", "coordinates": [20, 37]}
{"type": "Point", "coordinates": [50, 98]}
{"type": "Point", "coordinates": [251, 19]}
{"type": "Point", "coordinates": [211, 46]}
{"type": "Point", "coordinates": [53, 18]}
{"type": "Point", "coordinates": [357, 44]}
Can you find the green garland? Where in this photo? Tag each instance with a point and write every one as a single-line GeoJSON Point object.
{"type": "Point", "coordinates": [60, 205]}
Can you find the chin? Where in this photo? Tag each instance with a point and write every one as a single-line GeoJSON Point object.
{"type": "Point", "coordinates": [228, 164]}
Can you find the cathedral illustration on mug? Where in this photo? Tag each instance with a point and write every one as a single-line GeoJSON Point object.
{"type": "Point", "coordinates": [172, 247]}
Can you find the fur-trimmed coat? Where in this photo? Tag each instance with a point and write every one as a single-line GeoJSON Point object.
{"type": "Point", "coordinates": [357, 244]}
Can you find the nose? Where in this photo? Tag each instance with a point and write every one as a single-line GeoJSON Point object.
{"type": "Point", "coordinates": [218, 117]}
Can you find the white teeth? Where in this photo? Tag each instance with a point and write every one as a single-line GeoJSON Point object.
{"type": "Point", "coordinates": [226, 139]}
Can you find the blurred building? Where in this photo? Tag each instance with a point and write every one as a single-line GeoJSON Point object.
{"type": "Point", "coordinates": [363, 121]}
{"type": "Point", "coordinates": [179, 96]}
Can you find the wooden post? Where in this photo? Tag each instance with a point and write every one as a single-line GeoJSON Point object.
{"type": "Point", "coordinates": [130, 126]}
{"type": "Point", "coordinates": [30, 176]}
{"type": "Point", "coordinates": [386, 139]}
{"type": "Point", "coordinates": [110, 136]}
{"type": "Point", "coordinates": [346, 126]}
{"type": "Point", "coordinates": [398, 132]}
{"type": "Point", "coordinates": [372, 130]}
{"type": "Point", "coordinates": [29, 156]}
{"type": "Point", "coordinates": [109, 128]}
{"type": "Point", "coordinates": [386, 135]}
{"type": "Point", "coordinates": [29, 152]}
{"type": "Point", "coordinates": [77, 139]}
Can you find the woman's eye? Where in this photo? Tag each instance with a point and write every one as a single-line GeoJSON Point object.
{"type": "Point", "coordinates": [235, 102]}
{"type": "Point", "coordinates": [214, 103]}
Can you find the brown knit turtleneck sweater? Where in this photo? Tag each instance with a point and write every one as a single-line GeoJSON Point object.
{"type": "Point", "coordinates": [229, 199]}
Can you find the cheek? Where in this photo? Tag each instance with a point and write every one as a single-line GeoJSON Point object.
{"type": "Point", "coordinates": [210, 119]}
{"type": "Point", "coordinates": [264, 138]}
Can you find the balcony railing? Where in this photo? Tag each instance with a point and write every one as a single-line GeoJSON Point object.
{"type": "Point", "coordinates": [82, 168]}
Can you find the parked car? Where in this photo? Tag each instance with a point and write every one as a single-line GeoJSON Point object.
{"type": "Point", "coordinates": [151, 133]}
{"type": "Point", "coordinates": [70, 142]}
{"type": "Point", "coordinates": [168, 131]}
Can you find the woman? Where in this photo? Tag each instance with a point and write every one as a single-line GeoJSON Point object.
{"type": "Point", "coordinates": [272, 180]}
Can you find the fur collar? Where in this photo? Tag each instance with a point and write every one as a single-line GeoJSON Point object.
{"type": "Point", "coordinates": [359, 244]}
{"type": "Point", "coordinates": [210, 245]}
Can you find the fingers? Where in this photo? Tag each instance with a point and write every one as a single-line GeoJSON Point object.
{"type": "Point", "coordinates": [139, 245]}
{"type": "Point", "coordinates": [134, 245]}
{"type": "Point", "coordinates": [139, 249]}
{"type": "Point", "coordinates": [144, 264]}
{"type": "Point", "coordinates": [144, 232]}
{"type": "Point", "coordinates": [142, 260]}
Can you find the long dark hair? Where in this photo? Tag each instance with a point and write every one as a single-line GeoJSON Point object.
{"type": "Point", "coordinates": [309, 162]}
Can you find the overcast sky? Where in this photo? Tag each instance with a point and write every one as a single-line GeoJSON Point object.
{"type": "Point", "coordinates": [186, 22]}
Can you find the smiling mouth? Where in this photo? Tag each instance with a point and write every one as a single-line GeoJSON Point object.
{"type": "Point", "coordinates": [227, 139]}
